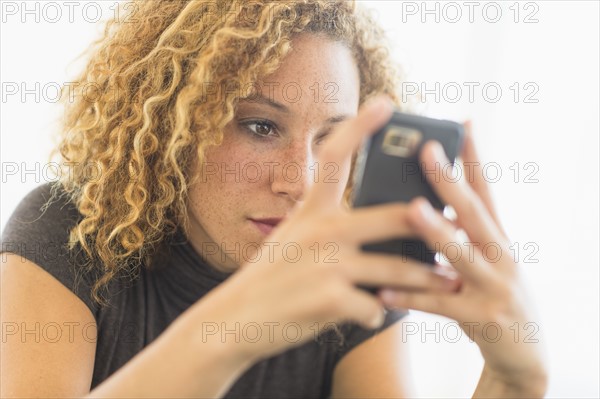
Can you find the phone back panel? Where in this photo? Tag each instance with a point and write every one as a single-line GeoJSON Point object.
{"type": "Point", "coordinates": [388, 170]}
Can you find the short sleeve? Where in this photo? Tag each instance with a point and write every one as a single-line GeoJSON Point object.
{"type": "Point", "coordinates": [354, 334]}
{"type": "Point", "coordinates": [38, 230]}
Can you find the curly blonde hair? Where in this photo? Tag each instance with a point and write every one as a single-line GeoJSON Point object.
{"type": "Point", "coordinates": [139, 113]}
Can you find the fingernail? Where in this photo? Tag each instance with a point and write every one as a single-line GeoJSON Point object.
{"type": "Point", "coordinates": [391, 297]}
{"type": "Point", "coordinates": [378, 320]}
{"type": "Point", "coordinates": [427, 212]}
{"type": "Point", "coordinates": [388, 296]}
{"type": "Point", "coordinates": [450, 284]}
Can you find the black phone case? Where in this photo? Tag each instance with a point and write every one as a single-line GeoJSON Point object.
{"type": "Point", "coordinates": [388, 170]}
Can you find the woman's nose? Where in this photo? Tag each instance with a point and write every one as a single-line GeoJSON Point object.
{"type": "Point", "coordinates": [295, 173]}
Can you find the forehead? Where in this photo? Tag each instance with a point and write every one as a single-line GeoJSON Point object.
{"type": "Point", "coordinates": [316, 70]}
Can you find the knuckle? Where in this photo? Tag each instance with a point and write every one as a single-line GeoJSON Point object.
{"type": "Point", "coordinates": [331, 272]}
{"type": "Point", "coordinates": [473, 205]}
{"type": "Point", "coordinates": [430, 279]}
{"type": "Point", "coordinates": [399, 216]}
{"type": "Point", "coordinates": [421, 276]}
{"type": "Point", "coordinates": [333, 297]}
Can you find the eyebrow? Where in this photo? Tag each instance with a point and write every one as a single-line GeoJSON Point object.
{"type": "Point", "coordinates": [267, 101]}
{"type": "Point", "coordinates": [337, 119]}
{"type": "Point", "coordinates": [280, 107]}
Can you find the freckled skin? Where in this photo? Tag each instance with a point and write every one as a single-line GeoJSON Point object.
{"type": "Point", "coordinates": [219, 206]}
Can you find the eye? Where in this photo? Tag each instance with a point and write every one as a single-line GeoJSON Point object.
{"type": "Point", "coordinates": [260, 128]}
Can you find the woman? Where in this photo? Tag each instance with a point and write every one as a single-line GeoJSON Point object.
{"type": "Point", "coordinates": [211, 249]}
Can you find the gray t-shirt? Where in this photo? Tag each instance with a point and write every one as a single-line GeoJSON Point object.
{"type": "Point", "coordinates": [140, 310]}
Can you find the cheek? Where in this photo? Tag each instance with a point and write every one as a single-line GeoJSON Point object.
{"type": "Point", "coordinates": [222, 193]}
{"type": "Point", "coordinates": [230, 171]}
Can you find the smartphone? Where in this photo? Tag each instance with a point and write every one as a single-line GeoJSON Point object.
{"type": "Point", "coordinates": [388, 169]}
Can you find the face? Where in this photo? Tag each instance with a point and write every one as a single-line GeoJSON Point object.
{"type": "Point", "coordinates": [266, 162]}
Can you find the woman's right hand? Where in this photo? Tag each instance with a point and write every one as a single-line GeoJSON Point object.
{"type": "Point", "coordinates": [273, 304]}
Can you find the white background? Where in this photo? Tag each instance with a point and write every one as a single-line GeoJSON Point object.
{"type": "Point", "coordinates": [556, 53]}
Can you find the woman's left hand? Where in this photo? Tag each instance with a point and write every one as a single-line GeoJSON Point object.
{"type": "Point", "coordinates": [490, 302]}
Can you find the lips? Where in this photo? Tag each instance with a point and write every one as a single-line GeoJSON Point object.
{"type": "Point", "coordinates": [266, 225]}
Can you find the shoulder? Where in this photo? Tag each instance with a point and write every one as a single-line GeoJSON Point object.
{"type": "Point", "coordinates": [373, 362]}
{"type": "Point", "coordinates": [38, 231]}
{"type": "Point", "coordinates": [44, 213]}
{"type": "Point", "coordinates": [354, 334]}
{"type": "Point", "coordinates": [44, 347]}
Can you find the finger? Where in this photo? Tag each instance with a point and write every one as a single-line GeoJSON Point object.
{"type": "Point", "coordinates": [440, 234]}
{"type": "Point", "coordinates": [446, 269]}
{"type": "Point", "coordinates": [363, 308]}
{"type": "Point", "coordinates": [377, 223]}
{"type": "Point", "coordinates": [444, 304]}
{"type": "Point", "coordinates": [335, 156]}
{"type": "Point", "coordinates": [471, 213]}
{"type": "Point", "coordinates": [378, 270]}
{"type": "Point", "coordinates": [474, 174]}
